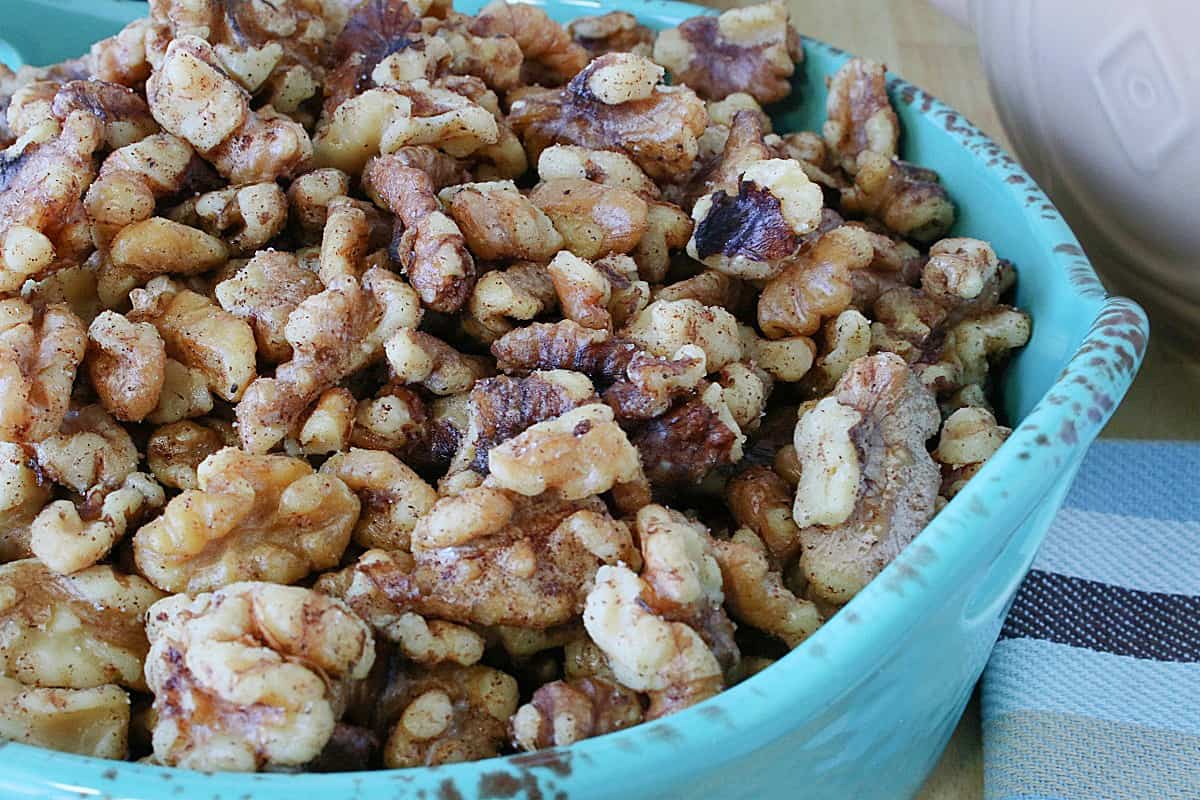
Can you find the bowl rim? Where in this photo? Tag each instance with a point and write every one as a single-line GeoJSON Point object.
{"type": "Point", "coordinates": [1048, 442]}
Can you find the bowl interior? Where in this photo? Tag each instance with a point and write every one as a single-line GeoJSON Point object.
{"type": "Point", "coordinates": [996, 201]}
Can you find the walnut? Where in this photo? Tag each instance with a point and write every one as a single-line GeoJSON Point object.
{"type": "Point", "coordinates": [683, 445]}
{"type": "Point", "coordinates": [418, 358]}
{"type": "Point", "coordinates": [578, 454]}
{"type": "Point", "coordinates": [755, 593]}
{"type": "Point", "coordinates": [969, 438]}
{"type": "Point", "coordinates": [971, 346]}
{"type": "Point", "coordinates": [451, 714]}
{"type": "Point", "coordinates": [393, 497]}
{"type": "Point", "coordinates": [328, 427]}
{"type": "Point", "coordinates": [847, 338]}
{"type": "Point", "coordinates": [962, 273]}
{"type": "Point", "coordinates": [39, 352]}
{"type": "Point", "coordinates": [614, 32]}
{"type": "Point", "coordinates": [564, 712]}
{"type": "Point", "coordinates": [745, 392]}
{"type": "Point", "coordinates": [123, 115]}
{"type": "Point", "coordinates": [88, 722]}
{"type": "Point", "coordinates": [43, 225]}
{"type": "Point", "coordinates": [175, 450]}
{"type": "Point", "coordinates": [121, 58]}
{"type": "Point", "coordinates": [500, 408]}
{"type": "Point", "coordinates": [908, 322]}
{"type": "Point", "coordinates": [859, 116]}
{"type": "Point", "coordinates": [867, 483]}
{"type": "Point", "coordinates": [906, 198]}
{"type": "Point", "coordinates": [647, 652]}
{"type": "Point", "coordinates": [73, 286]}
{"type": "Point", "coordinates": [245, 217]}
{"type": "Point", "coordinates": [395, 419]}
{"type": "Point", "coordinates": [594, 220]}
{"type": "Point", "coordinates": [126, 362]}
{"type": "Point", "coordinates": [598, 295]}
{"type": "Point", "coordinates": [500, 223]}
{"type": "Point", "coordinates": [751, 49]}
{"type": "Point", "coordinates": [521, 292]}
{"type": "Point", "coordinates": [709, 287]}
{"type": "Point", "coordinates": [666, 325]}
{"type": "Point", "coordinates": [251, 517]}
{"type": "Point", "coordinates": [193, 98]}
{"type": "Point", "coordinates": [431, 246]}
{"type": "Point", "coordinates": [816, 286]}
{"type": "Point", "coordinates": [787, 466]}
{"type": "Point", "coordinates": [89, 451]}
{"type": "Point", "coordinates": [565, 345]}
{"type": "Point", "coordinates": [496, 59]}
{"type": "Point", "coordinates": [761, 501]}
{"type": "Point", "coordinates": [155, 246]}
{"type": "Point", "coordinates": [135, 178]}
{"type": "Point", "coordinates": [67, 540]}
{"type": "Point", "coordinates": [551, 57]}
{"type": "Point", "coordinates": [721, 114]}
{"type": "Point", "coordinates": [606, 167]}
{"type": "Point", "coordinates": [333, 334]}
{"type": "Point", "coordinates": [755, 233]}
{"type": "Point", "coordinates": [659, 132]}
{"type": "Point", "coordinates": [893, 263]}
{"type": "Point", "coordinates": [75, 631]}
{"type": "Point", "coordinates": [243, 678]}
{"type": "Point", "coordinates": [384, 119]}
{"type": "Point", "coordinates": [668, 228]}
{"type": "Point", "coordinates": [264, 293]}
{"type": "Point", "coordinates": [488, 557]}
{"type": "Point", "coordinates": [22, 495]}
{"type": "Point", "coordinates": [200, 334]}
{"type": "Point", "coordinates": [184, 395]}
{"type": "Point", "coordinates": [344, 241]}
{"type": "Point", "coordinates": [653, 383]}
{"type": "Point", "coordinates": [815, 156]}
{"type": "Point", "coordinates": [309, 196]}
{"type": "Point", "coordinates": [31, 107]}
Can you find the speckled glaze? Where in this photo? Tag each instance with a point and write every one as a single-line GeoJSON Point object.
{"type": "Point", "coordinates": [864, 707]}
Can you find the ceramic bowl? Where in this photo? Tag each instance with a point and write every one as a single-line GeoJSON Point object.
{"type": "Point", "coordinates": [864, 707]}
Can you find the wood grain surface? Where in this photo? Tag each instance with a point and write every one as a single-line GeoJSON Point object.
{"type": "Point", "coordinates": [932, 51]}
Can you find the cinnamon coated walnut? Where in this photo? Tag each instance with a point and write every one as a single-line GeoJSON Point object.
{"type": "Point", "coordinates": [244, 677]}
{"type": "Point", "coordinates": [500, 223]}
{"type": "Point", "coordinates": [250, 518]}
{"type": "Point", "coordinates": [603, 294]}
{"type": "Point", "coordinates": [264, 293]}
{"type": "Point", "coordinates": [246, 218]}
{"type": "Point", "coordinates": [88, 722]}
{"type": "Point", "coordinates": [126, 362]}
{"type": "Point", "coordinates": [521, 292]}
{"type": "Point", "coordinates": [908, 199]}
{"type": "Point", "coordinates": [867, 483]}
{"type": "Point", "coordinates": [755, 592]}
{"type": "Point", "coordinates": [551, 56]}
{"type": "Point", "coordinates": [393, 497]}
{"type": "Point", "coordinates": [969, 438]}
{"type": "Point", "coordinates": [74, 631]}
{"type": "Point", "coordinates": [859, 115]}
{"type": "Point", "coordinates": [614, 32]}
{"type": "Point", "coordinates": [594, 220]}
{"type": "Point", "coordinates": [22, 495]}
{"type": "Point", "coordinates": [751, 49]}
{"type": "Point", "coordinates": [40, 350]}
{"type": "Point", "coordinates": [89, 451]}
{"type": "Point", "coordinates": [761, 501]}
{"type": "Point", "coordinates": [564, 712]}
{"type": "Point", "coordinates": [175, 451]}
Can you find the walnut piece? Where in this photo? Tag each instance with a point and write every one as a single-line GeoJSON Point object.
{"type": "Point", "coordinates": [867, 483]}
{"type": "Point", "coordinates": [39, 352]}
{"type": "Point", "coordinates": [89, 451]}
{"type": "Point", "coordinates": [88, 722]}
{"type": "Point", "coordinates": [246, 218]}
{"type": "Point", "coordinates": [74, 631]}
{"type": "Point", "coordinates": [751, 49]}
{"type": "Point", "coordinates": [599, 295]}
{"type": "Point", "coordinates": [418, 358]}
{"type": "Point", "coordinates": [561, 713]}
{"type": "Point", "coordinates": [614, 32]}
{"type": "Point", "coordinates": [908, 199]}
{"type": "Point", "coordinates": [251, 517]}
{"type": "Point", "coordinates": [500, 223]}
{"type": "Point", "coordinates": [594, 220]}
{"type": "Point", "coordinates": [174, 452]}
{"type": "Point", "coordinates": [521, 292]}
{"type": "Point", "coordinates": [243, 677]}
{"type": "Point", "coordinates": [667, 325]}
{"type": "Point", "coordinates": [393, 497]}
{"type": "Point", "coordinates": [859, 115]}
{"type": "Point", "coordinates": [755, 593]}
{"type": "Point", "coordinates": [551, 57]}
{"type": "Point", "coordinates": [761, 501]}
{"type": "Point", "coordinates": [126, 362]}
{"type": "Point", "coordinates": [264, 293]}
{"type": "Point", "coordinates": [22, 496]}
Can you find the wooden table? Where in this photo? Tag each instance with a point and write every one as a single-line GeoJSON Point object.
{"type": "Point", "coordinates": [916, 41]}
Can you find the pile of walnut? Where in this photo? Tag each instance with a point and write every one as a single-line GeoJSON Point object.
{"type": "Point", "coordinates": [384, 386]}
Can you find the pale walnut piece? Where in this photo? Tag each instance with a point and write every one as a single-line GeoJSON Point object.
{"type": "Point", "coordinates": [244, 678]}
{"type": "Point", "coordinates": [392, 495]}
{"type": "Point", "coordinates": [867, 483]}
{"type": "Point", "coordinates": [970, 436]}
{"type": "Point", "coordinates": [603, 294]}
{"type": "Point", "coordinates": [659, 132]}
{"type": "Point", "coordinates": [667, 325]}
{"type": "Point", "coordinates": [251, 518]}
{"type": "Point", "coordinates": [74, 631]}
{"type": "Point", "coordinates": [755, 232]}
{"type": "Point", "coordinates": [264, 293]}
{"type": "Point", "coordinates": [614, 32]}
{"type": "Point", "coordinates": [174, 451]}
{"type": "Point", "coordinates": [43, 176]}
{"type": "Point", "coordinates": [845, 339]}
{"type": "Point", "coordinates": [192, 97]}
{"type": "Point", "coordinates": [606, 167]}
{"type": "Point", "coordinates": [155, 246]}
{"type": "Point", "coordinates": [199, 333]}
{"type": "Point", "coordinates": [245, 218]}
{"type": "Point", "coordinates": [39, 353]}
{"type": "Point", "coordinates": [521, 292]}
{"type": "Point", "coordinates": [564, 712]}
{"type": "Point", "coordinates": [328, 427]}
{"type": "Point", "coordinates": [430, 246]}
{"type": "Point", "coordinates": [451, 714]}
{"type": "Point", "coordinates": [122, 113]}
{"type": "Point", "coordinates": [185, 394]}
{"type": "Point", "coordinates": [501, 224]}
{"type": "Point", "coordinates": [751, 49]}
{"type": "Point", "coordinates": [88, 722]}
{"type": "Point", "coordinates": [68, 539]}
{"type": "Point", "coordinates": [594, 220]}
{"type": "Point", "coordinates": [22, 495]}
{"type": "Point", "coordinates": [859, 115]}
{"type": "Point", "coordinates": [418, 358]}
{"type": "Point", "coordinates": [908, 199]}
{"type": "Point", "coordinates": [551, 57]}
{"type": "Point", "coordinates": [126, 362]}
{"type": "Point", "coordinates": [755, 593]}
{"type": "Point", "coordinates": [333, 334]}
{"type": "Point", "coordinates": [89, 451]}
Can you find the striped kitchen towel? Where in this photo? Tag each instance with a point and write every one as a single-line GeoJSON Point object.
{"type": "Point", "coordinates": [1093, 691]}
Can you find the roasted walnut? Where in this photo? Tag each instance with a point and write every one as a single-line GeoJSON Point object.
{"type": "Point", "coordinates": [906, 198]}
{"type": "Point", "coordinates": [126, 362]}
{"type": "Point", "coordinates": [564, 712]}
{"type": "Point", "coordinates": [88, 722]}
{"type": "Point", "coordinates": [500, 223]}
{"type": "Point", "coordinates": [859, 116]}
{"type": "Point", "coordinates": [22, 496]}
{"type": "Point", "coordinates": [176, 450]}
{"type": "Point", "coordinates": [603, 294]}
{"type": "Point", "coordinates": [551, 57]}
{"type": "Point", "coordinates": [969, 438]}
{"type": "Point", "coordinates": [393, 497]}
{"type": "Point", "coordinates": [264, 293]}
{"type": "Point", "coordinates": [39, 353]}
{"type": "Point", "coordinates": [594, 220]}
{"type": "Point", "coordinates": [614, 32]}
{"type": "Point", "coordinates": [755, 593]}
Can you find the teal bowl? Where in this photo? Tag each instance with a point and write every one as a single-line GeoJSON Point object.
{"type": "Point", "coordinates": [864, 707]}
